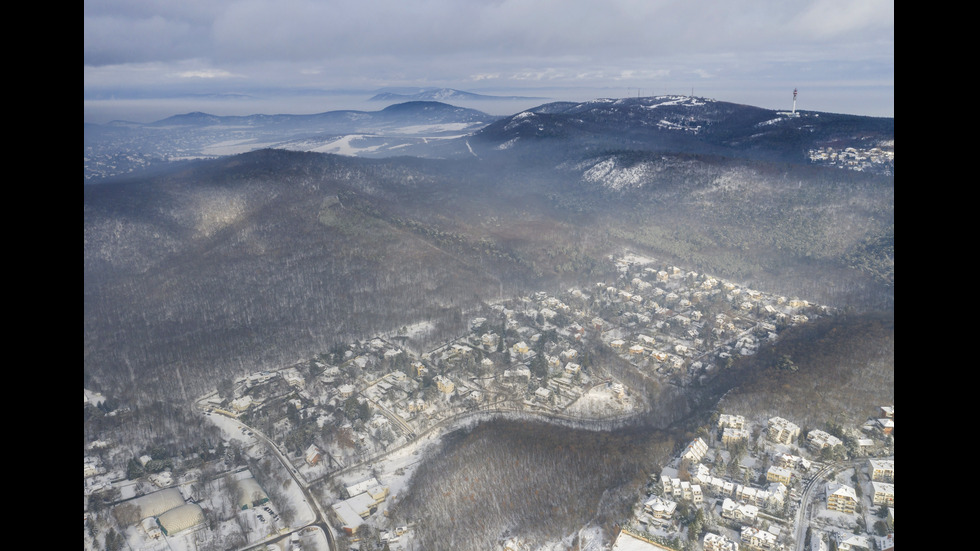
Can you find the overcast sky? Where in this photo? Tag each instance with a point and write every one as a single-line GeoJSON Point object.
{"type": "Point", "coordinates": [150, 59]}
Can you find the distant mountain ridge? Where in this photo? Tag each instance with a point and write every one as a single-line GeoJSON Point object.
{"type": "Point", "coordinates": [683, 124]}
{"type": "Point", "coordinates": [443, 94]}
{"type": "Point", "coordinates": [123, 147]}
{"type": "Point", "coordinates": [416, 112]}
{"type": "Point", "coordinates": [562, 131]}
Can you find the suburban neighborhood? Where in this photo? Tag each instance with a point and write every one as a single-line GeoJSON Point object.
{"type": "Point", "coordinates": [568, 356]}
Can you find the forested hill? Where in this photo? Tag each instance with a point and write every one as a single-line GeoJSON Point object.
{"type": "Point", "coordinates": [682, 124]}
{"type": "Point", "coordinates": [259, 260]}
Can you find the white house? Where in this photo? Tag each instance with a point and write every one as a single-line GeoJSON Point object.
{"type": "Point", "coordinates": [695, 450]}
{"type": "Point", "coordinates": [883, 493]}
{"type": "Point", "coordinates": [716, 542]}
{"type": "Point", "coordinates": [660, 509]}
{"type": "Point", "coordinates": [738, 511]}
{"type": "Point", "coordinates": [758, 538]}
{"type": "Point", "coordinates": [782, 431]}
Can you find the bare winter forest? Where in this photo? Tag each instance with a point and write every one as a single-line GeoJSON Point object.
{"type": "Point", "coordinates": [269, 258]}
{"type": "Point", "coordinates": [536, 480]}
{"type": "Point", "coordinates": [215, 270]}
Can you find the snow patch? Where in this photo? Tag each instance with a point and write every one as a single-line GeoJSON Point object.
{"type": "Point", "coordinates": [508, 144]}
{"type": "Point", "coordinates": [234, 147]}
{"type": "Point", "coordinates": [436, 128]}
{"type": "Point", "coordinates": [344, 145]}
{"type": "Point", "coordinates": [610, 174]}
{"type": "Point", "coordinates": [519, 119]}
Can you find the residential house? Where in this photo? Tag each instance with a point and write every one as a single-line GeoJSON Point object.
{"type": "Point", "coordinates": [419, 369]}
{"type": "Point", "coordinates": [782, 431]}
{"type": "Point", "coordinates": [489, 340]}
{"type": "Point", "coordinates": [732, 421]}
{"type": "Point", "coordinates": [313, 455]}
{"type": "Point", "coordinates": [371, 486]}
{"type": "Point", "coordinates": [817, 440]}
{"type": "Point", "coordinates": [716, 542]}
{"type": "Point", "coordinates": [841, 498]}
{"type": "Point", "coordinates": [853, 542]}
{"type": "Point", "coordinates": [697, 496]}
{"type": "Point", "coordinates": [758, 538]}
{"type": "Point", "coordinates": [885, 425]}
{"type": "Point", "coordinates": [791, 462]}
{"type": "Point", "coordinates": [730, 436]}
{"type": "Point", "coordinates": [741, 512]}
{"type": "Point", "coordinates": [241, 404]}
{"type": "Point", "coordinates": [659, 508]}
{"type": "Point", "coordinates": [882, 470]}
{"type": "Point", "coordinates": [777, 495]}
{"type": "Point", "coordinates": [779, 474]}
{"type": "Point", "coordinates": [520, 375]}
{"type": "Point", "coordinates": [695, 450]}
{"type": "Point", "coordinates": [444, 385]}
{"type": "Point", "coordinates": [774, 495]}
{"type": "Point", "coordinates": [883, 493]}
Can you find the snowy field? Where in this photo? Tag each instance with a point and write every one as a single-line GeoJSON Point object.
{"type": "Point", "coordinates": [600, 402]}
{"type": "Point", "coordinates": [234, 147]}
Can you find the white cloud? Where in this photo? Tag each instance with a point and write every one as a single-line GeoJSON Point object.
{"type": "Point", "coordinates": [205, 73]}
{"type": "Point", "coordinates": [825, 19]}
{"type": "Point", "coordinates": [325, 44]}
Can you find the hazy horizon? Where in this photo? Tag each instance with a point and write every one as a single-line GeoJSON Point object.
{"type": "Point", "coordinates": [147, 61]}
{"type": "Point", "coordinates": [147, 110]}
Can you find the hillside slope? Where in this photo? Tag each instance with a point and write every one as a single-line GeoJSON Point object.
{"type": "Point", "coordinates": [262, 259]}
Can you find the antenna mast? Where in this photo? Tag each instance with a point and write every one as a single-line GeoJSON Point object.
{"type": "Point", "coordinates": [794, 101]}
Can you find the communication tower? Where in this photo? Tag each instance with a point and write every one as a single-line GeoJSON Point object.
{"type": "Point", "coordinates": [792, 113]}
